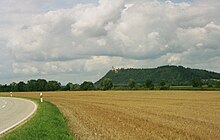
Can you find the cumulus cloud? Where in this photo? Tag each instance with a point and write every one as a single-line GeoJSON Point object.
{"type": "Point", "coordinates": [92, 37]}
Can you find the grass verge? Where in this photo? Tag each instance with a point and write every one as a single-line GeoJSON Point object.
{"type": "Point", "coordinates": [48, 123]}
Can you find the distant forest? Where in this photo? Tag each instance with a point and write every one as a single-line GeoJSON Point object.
{"type": "Point", "coordinates": [172, 75]}
{"type": "Point", "coordinates": [125, 79]}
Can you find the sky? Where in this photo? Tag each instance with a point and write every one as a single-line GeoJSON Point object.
{"type": "Point", "coordinates": [80, 40]}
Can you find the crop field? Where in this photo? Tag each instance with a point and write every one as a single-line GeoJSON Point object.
{"type": "Point", "coordinates": [105, 115]}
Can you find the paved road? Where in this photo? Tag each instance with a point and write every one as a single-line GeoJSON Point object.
{"type": "Point", "coordinates": [14, 111]}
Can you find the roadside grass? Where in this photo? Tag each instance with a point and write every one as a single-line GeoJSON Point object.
{"type": "Point", "coordinates": [48, 123]}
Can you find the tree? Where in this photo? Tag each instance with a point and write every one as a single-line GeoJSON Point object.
{"type": "Point", "coordinates": [162, 83]}
{"type": "Point", "coordinates": [21, 86]}
{"type": "Point", "coordinates": [1, 88]}
{"type": "Point", "coordinates": [217, 84]}
{"type": "Point", "coordinates": [197, 82]}
{"type": "Point", "coordinates": [149, 84]}
{"type": "Point", "coordinates": [53, 86]}
{"type": "Point", "coordinates": [13, 87]}
{"type": "Point", "coordinates": [71, 87]}
{"type": "Point", "coordinates": [163, 86]}
{"type": "Point", "coordinates": [75, 87]}
{"type": "Point", "coordinates": [131, 83]}
{"type": "Point", "coordinates": [87, 86]}
{"type": "Point", "coordinates": [106, 84]}
{"type": "Point", "coordinates": [68, 86]}
{"type": "Point", "coordinates": [41, 84]}
{"type": "Point", "coordinates": [5, 88]}
{"type": "Point", "coordinates": [32, 85]}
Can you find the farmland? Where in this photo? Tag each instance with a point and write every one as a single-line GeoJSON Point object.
{"type": "Point", "coordinates": [138, 114]}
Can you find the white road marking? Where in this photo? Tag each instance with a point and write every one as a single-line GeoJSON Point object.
{"type": "Point", "coordinates": [5, 103]}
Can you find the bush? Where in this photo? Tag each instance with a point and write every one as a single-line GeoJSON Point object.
{"type": "Point", "coordinates": [151, 88]}
{"type": "Point", "coordinates": [106, 84]}
{"type": "Point", "coordinates": [87, 86]}
{"type": "Point", "coordinates": [131, 83]}
{"type": "Point", "coordinates": [149, 84]}
{"type": "Point", "coordinates": [164, 88]}
{"type": "Point", "coordinates": [197, 82]}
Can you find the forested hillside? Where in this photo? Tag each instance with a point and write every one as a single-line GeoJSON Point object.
{"type": "Point", "coordinates": [174, 75]}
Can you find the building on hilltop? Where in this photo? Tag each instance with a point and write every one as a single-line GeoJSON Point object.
{"type": "Point", "coordinates": [114, 69]}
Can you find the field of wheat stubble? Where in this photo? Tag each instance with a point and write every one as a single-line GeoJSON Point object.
{"type": "Point", "coordinates": [138, 114]}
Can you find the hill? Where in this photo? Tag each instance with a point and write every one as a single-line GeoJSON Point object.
{"type": "Point", "coordinates": [175, 75]}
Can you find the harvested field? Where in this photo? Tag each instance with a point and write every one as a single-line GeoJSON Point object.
{"type": "Point", "coordinates": [104, 115]}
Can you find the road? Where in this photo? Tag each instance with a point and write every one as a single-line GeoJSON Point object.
{"type": "Point", "coordinates": [14, 111]}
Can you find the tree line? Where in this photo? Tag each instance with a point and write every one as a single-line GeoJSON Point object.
{"type": "Point", "coordinates": [164, 85]}
{"type": "Point", "coordinates": [44, 85]}
{"type": "Point", "coordinates": [31, 85]}
{"type": "Point", "coordinates": [105, 84]}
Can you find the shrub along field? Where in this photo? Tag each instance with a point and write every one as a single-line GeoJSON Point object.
{"type": "Point", "coordinates": [138, 114]}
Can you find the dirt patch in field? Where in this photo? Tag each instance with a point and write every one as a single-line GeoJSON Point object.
{"type": "Point", "coordinates": [111, 115]}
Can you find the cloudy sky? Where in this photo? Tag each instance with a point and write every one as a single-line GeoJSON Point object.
{"type": "Point", "coordinates": [77, 40]}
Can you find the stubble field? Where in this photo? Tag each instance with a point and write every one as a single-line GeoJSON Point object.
{"type": "Point", "coordinates": [105, 115]}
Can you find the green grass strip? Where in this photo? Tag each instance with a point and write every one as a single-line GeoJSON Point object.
{"type": "Point", "coordinates": [48, 123]}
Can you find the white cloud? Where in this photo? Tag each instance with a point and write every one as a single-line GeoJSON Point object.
{"type": "Point", "coordinates": [174, 59]}
{"type": "Point", "coordinates": [92, 37]}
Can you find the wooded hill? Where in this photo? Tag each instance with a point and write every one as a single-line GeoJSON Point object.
{"type": "Point", "coordinates": [173, 75]}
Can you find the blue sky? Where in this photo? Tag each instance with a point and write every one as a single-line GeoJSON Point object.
{"type": "Point", "coordinates": [77, 40]}
{"type": "Point", "coordinates": [70, 3]}
{"type": "Point", "coordinates": [181, 1]}
{"type": "Point", "coordinates": [64, 4]}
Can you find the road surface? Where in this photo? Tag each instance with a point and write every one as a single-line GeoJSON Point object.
{"type": "Point", "coordinates": [14, 111]}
